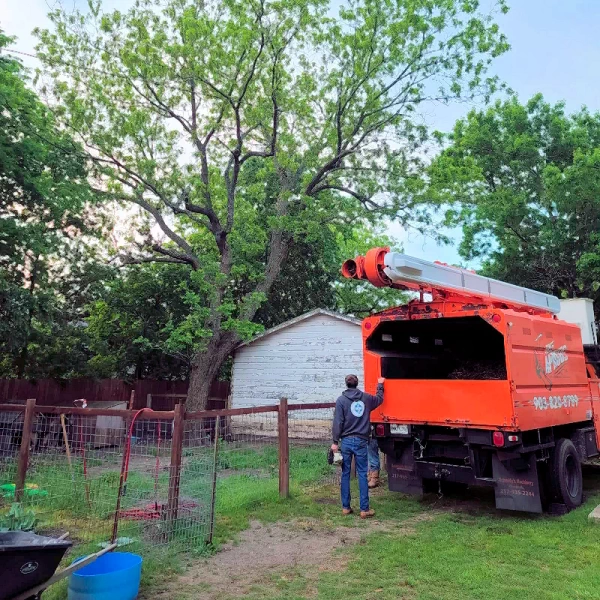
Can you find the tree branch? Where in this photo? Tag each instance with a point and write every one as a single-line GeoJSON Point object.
{"type": "Point", "coordinates": [181, 257]}
{"type": "Point", "coordinates": [340, 188]}
{"type": "Point", "coordinates": [328, 166]}
{"type": "Point", "coordinates": [130, 260]}
{"type": "Point", "coordinates": [188, 255]}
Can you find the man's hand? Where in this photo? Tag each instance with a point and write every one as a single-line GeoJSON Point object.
{"type": "Point", "coordinates": [334, 447]}
{"type": "Point", "coordinates": [381, 380]}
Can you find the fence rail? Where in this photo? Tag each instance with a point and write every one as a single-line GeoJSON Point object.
{"type": "Point", "coordinates": [161, 394]}
{"type": "Point", "coordinates": [154, 476]}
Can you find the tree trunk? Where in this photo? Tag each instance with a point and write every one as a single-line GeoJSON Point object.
{"type": "Point", "coordinates": [205, 367]}
{"type": "Point", "coordinates": [23, 358]}
{"type": "Point", "coordinates": [206, 364]}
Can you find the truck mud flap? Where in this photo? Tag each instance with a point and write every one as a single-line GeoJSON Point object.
{"type": "Point", "coordinates": [402, 476]}
{"type": "Point", "coordinates": [517, 486]}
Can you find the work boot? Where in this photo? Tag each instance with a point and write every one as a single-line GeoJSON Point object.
{"type": "Point", "coordinates": [373, 479]}
{"type": "Point", "coordinates": [367, 514]}
{"type": "Point", "coordinates": [347, 511]}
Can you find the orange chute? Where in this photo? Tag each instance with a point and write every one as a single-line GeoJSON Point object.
{"type": "Point", "coordinates": [368, 267]}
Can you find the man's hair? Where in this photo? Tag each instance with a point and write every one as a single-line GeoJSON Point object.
{"type": "Point", "coordinates": [351, 381]}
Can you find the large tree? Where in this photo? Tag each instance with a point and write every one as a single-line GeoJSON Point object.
{"type": "Point", "coordinates": [151, 338]}
{"type": "Point", "coordinates": [243, 126]}
{"type": "Point", "coordinates": [524, 184]}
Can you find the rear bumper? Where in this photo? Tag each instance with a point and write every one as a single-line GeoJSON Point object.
{"type": "Point", "coordinates": [446, 434]}
{"type": "Point", "coordinates": [466, 457]}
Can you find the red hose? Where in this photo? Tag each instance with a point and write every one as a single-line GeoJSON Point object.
{"type": "Point", "coordinates": [124, 473]}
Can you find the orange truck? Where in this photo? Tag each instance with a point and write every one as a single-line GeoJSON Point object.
{"type": "Point", "coordinates": [484, 385]}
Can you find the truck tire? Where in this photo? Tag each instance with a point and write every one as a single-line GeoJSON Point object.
{"type": "Point", "coordinates": [567, 479]}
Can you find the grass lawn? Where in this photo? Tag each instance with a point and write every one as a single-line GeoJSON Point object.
{"type": "Point", "coordinates": [458, 557]}
{"type": "Point", "coordinates": [463, 550]}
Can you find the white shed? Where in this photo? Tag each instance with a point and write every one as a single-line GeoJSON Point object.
{"type": "Point", "coordinates": [304, 360]}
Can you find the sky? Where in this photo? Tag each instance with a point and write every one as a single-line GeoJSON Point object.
{"type": "Point", "coordinates": [554, 50]}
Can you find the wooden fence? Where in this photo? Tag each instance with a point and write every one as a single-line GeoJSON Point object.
{"type": "Point", "coordinates": [54, 392]}
{"type": "Point", "coordinates": [177, 419]}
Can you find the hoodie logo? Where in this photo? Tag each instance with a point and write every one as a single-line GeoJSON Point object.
{"type": "Point", "coordinates": [357, 408]}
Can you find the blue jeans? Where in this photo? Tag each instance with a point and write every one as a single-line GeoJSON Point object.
{"type": "Point", "coordinates": [357, 447]}
{"type": "Point", "coordinates": [374, 464]}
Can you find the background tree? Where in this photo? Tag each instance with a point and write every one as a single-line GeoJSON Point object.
{"type": "Point", "coordinates": [241, 127]}
{"type": "Point", "coordinates": [524, 183]}
{"type": "Point", "coordinates": [129, 325]}
{"type": "Point", "coordinates": [43, 195]}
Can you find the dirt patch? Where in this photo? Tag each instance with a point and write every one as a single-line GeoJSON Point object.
{"type": "Point", "coordinates": [329, 501]}
{"type": "Point", "coordinates": [264, 552]}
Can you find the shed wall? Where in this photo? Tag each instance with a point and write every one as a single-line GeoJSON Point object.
{"type": "Point", "coordinates": [305, 362]}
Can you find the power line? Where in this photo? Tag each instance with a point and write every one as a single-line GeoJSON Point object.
{"type": "Point", "coordinates": [21, 53]}
{"type": "Point", "coordinates": [54, 61]}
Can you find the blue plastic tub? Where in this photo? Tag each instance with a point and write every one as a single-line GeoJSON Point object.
{"type": "Point", "coordinates": [113, 576]}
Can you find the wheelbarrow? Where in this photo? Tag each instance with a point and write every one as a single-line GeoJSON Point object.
{"type": "Point", "coordinates": [28, 563]}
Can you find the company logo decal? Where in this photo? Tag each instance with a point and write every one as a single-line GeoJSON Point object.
{"type": "Point", "coordinates": [555, 358]}
{"type": "Point", "coordinates": [551, 363]}
{"type": "Point", "coordinates": [29, 567]}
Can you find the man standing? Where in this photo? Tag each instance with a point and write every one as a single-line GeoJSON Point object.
{"type": "Point", "coordinates": [351, 428]}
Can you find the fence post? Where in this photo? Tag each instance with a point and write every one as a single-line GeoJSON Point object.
{"type": "Point", "coordinates": [67, 446]}
{"type": "Point", "coordinates": [24, 449]}
{"type": "Point", "coordinates": [176, 453]}
{"type": "Point", "coordinates": [213, 495]}
{"type": "Point", "coordinates": [284, 449]}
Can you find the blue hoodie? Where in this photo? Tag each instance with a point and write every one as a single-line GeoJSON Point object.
{"type": "Point", "coordinates": [353, 413]}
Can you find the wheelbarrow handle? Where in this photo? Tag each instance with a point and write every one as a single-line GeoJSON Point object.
{"type": "Point", "coordinates": [62, 574]}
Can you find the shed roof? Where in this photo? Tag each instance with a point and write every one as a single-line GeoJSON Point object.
{"type": "Point", "coordinates": [304, 317]}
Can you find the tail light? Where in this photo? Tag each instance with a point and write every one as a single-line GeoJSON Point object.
{"type": "Point", "coordinates": [379, 430]}
{"type": "Point", "coordinates": [498, 439]}
{"type": "Point", "coordinates": [513, 438]}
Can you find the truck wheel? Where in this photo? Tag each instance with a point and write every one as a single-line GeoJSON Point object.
{"type": "Point", "coordinates": [566, 474]}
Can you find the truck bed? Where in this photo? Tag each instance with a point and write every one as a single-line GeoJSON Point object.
{"type": "Point", "coordinates": [538, 364]}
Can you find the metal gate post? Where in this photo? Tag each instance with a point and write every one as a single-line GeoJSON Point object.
{"type": "Point", "coordinates": [213, 495]}
{"type": "Point", "coordinates": [284, 449]}
{"type": "Point", "coordinates": [24, 449]}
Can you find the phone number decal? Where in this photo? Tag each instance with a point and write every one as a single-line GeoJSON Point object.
{"type": "Point", "coordinates": [555, 402]}
{"type": "Point", "coordinates": [515, 492]}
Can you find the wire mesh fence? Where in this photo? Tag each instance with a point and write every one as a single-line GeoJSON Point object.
{"type": "Point", "coordinates": [153, 478]}
{"type": "Point", "coordinates": [102, 477]}
{"type": "Point", "coordinates": [309, 438]}
{"type": "Point", "coordinates": [243, 452]}
{"type": "Point", "coordinates": [11, 425]}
